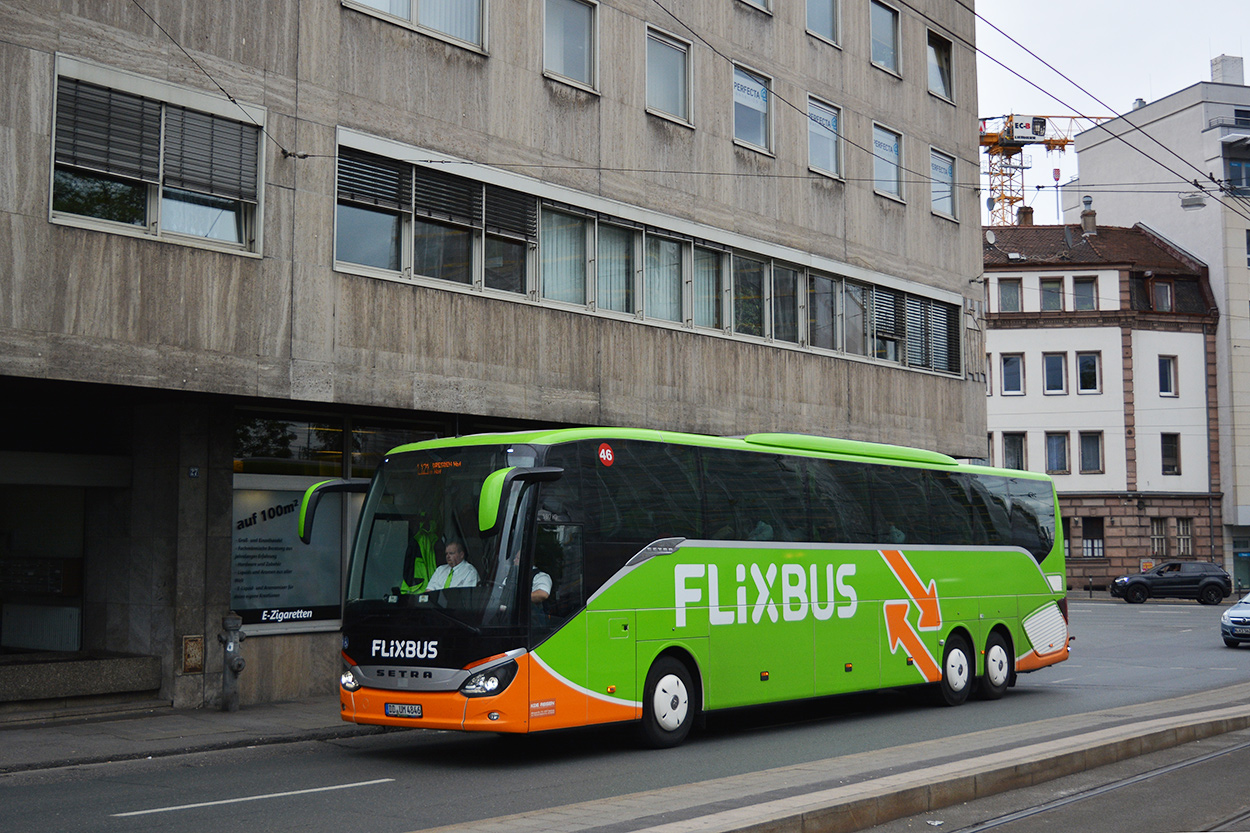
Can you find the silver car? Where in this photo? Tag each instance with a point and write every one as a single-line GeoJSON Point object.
{"type": "Point", "coordinates": [1235, 623]}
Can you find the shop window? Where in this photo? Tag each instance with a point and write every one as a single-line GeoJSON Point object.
{"type": "Point", "coordinates": [1092, 542]}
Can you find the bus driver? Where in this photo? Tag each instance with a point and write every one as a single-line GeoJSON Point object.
{"type": "Point", "coordinates": [456, 572]}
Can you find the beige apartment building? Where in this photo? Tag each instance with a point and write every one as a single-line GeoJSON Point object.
{"type": "Point", "coordinates": [244, 247]}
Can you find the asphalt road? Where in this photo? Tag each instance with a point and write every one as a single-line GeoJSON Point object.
{"type": "Point", "coordinates": [412, 780]}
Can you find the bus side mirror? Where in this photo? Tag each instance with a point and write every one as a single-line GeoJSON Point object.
{"type": "Point", "coordinates": [308, 504]}
{"type": "Point", "coordinates": [497, 488]}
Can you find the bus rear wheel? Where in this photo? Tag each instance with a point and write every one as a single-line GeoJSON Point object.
{"type": "Point", "coordinates": [667, 711]}
{"type": "Point", "coordinates": [998, 662]}
{"type": "Point", "coordinates": [958, 668]}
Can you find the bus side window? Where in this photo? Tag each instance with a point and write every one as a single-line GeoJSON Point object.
{"type": "Point", "coordinates": [841, 510]}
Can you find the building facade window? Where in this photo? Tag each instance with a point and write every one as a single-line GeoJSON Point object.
{"type": "Point", "coordinates": [823, 145]}
{"type": "Point", "coordinates": [822, 19]}
{"type": "Point", "coordinates": [569, 40]}
{"type": "Point", "coordinates": [662, 296]}
{"type": "Point", "coordinates": [1012, 374]}
{"type": "Point", "coordinates": [708, 294]}
{"type": "Point", "coordinates": [1091, 452]}
{"type": "Point", "coordinates": [884, 26]}
{"type": "Point", "coordinates": [668, 75]}
{"type": "Point", "coordinates": [1051, 294]}
{"type": "Point", "coordinates": [1084, 293]}
{"type": "Point", "coordinates": [615, 263]}
{"type": "Point", "coordinates": [1009, 295]}
{"type": "Point", "coordinates": [1092, 545]}
{"type": "Point", "coordinates": [1057, 452]}
{"type": "Point", "coordinates": [1054, 373]}
{"type": "Point", "coordinates": [457, 19]}
{"type": "Point", "coordinates": [145, 166]}
{"type": "Point", "coordinates": [1185, 537]}
{"type": "Point", "coordinates": [1170, 451]}
{"type": "Point", "coordinates": [563, 257]}
{"type": "Point", "coordinates": [752, 109]}
{"type": "Point", "coordinates": [1089, 373]}
{"type": "Point", "coordinates": [1167, 376]}
{"type": "Point", "coordinates": [407, 221]}
{"type": "Point", "coordinates": [1013, 451]}
{"type": "Point", "coordinates": [822, 312]}
{"type": "Point", "coordinates": [940, 79]}
{"type": "Point", "coordinates": [1159, 537]}
{"type": "Point", "coordinates": [1161, 296]}
{"type": "Point", "coordinates": [887, 157]}
{"type": "Point", "coordinates": [942, 183]}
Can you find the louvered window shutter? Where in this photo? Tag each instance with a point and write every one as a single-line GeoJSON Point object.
{"type": "Point", "coordinates": [511, 212]}
{"type": "Point", "coordinates": [210, 154]}
{"type": "Point", "coordinates": [374, 180]}
{"type": "Point", "coordinates": [445, 196]}
{"type": "Point", "coordinates": [107, 131]}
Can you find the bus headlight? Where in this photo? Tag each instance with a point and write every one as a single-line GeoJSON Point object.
{"type": "Point", "coordinates": [491, 681]}
{"type": "Point", "coordinates": [349, 682]}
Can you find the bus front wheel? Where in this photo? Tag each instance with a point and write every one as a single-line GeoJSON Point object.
{"type": "Point", "coordinates": [998, 664]}
{"type": "Point", "coordinates": [667, 713]}
{"type": "Point", "coordinates": [957, 671]}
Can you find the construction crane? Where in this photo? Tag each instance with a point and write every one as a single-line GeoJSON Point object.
{"type": "Point", "coordinates": [1004, 139]}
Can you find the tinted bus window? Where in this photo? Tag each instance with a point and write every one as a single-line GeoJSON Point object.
{"type": "Point", "coordinates": [754, 497]}
{"type": "Point", "coordinates": [841, 507]}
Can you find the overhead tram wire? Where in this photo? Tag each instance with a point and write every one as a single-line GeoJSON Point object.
{"type": "Point", "coordinates": [285, 153]}
{"type": "Point", "coordinates": [920, 176]}
{"type": "Point", "coordinates": [967, 44]}
{"type": "Point", "coordinates": [1195, 183]}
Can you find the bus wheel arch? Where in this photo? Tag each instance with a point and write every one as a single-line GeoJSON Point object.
{"type": "Point", "coordinates": [958, 668]}
{"type": "Point", "coordinates": [999, 665]}
{"type": "Point", "coordinates": [671, 699]}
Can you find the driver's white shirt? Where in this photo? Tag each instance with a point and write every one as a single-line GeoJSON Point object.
{"type": "Point", "coordinates": [463, 574]}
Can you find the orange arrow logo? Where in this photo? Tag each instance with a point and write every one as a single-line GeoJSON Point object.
{"type": "Point", "coordinates": [901, 631]}
{"type": "Point", "coordinates": [926, 598]}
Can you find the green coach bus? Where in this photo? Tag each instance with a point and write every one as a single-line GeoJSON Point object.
{"type": "Point", "coordinates": [637, 575]}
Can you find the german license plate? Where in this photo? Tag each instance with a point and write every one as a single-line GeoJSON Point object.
{"type": "Point", "coordinates": [403, 710]}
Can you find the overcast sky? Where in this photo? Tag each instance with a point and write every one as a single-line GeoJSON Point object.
{"type": "Point", "coordinates": [1116, 49]}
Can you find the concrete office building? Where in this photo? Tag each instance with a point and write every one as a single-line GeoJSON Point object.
{"type": "Point", "coordinates": [1141, 167]}
{"type": "Point", "coordinates": [1100, 356]}
{"type": "Point", "coordinates": [244, 247]}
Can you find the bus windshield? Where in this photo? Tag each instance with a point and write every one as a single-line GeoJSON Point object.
{"type": "Point", "coordinates": [418, 547]}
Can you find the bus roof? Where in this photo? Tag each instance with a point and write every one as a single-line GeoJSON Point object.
{"type": "Point", "coordinates": [805, 444]}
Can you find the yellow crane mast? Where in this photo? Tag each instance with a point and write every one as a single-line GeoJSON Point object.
{"type": "Point", "coordinates": [1004, 139]}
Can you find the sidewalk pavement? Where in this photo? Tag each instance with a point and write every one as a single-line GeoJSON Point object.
{"type": "Point", "coordinates": [844, 793]}
{"type": "Point", "coordinates": [159, 731]}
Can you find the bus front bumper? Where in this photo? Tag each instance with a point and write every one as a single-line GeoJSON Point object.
{"type": "Point", "coordinates": [507, 711]}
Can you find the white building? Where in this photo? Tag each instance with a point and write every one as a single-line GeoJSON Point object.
{"type": "Point", "coordinates": [1142, 167]}
{"type": "Point", "coordinates": [1100, 371]}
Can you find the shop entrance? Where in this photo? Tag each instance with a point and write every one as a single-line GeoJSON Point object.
{"type": "Point", "coordinates": [41, 568]}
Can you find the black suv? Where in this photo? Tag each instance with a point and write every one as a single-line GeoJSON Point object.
{"type": "Point", "coordinates": [1201, 580]}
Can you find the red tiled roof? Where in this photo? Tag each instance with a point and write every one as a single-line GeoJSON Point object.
{"type": "Point", "coordinates": [1066, 246]}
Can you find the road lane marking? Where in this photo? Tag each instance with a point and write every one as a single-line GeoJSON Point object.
{"type": "Point", "coordinates": [251, 798]}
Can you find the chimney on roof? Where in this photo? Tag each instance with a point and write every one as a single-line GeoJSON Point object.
{"type": "Point", "coordinates": [1024, 217]}
{"type": "Point", "coordinates": [1227, 69]}
{"type": "Point", "coordinates": [1089, 226]}
{"type": "Point", "coordinates": [1139, 103]}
